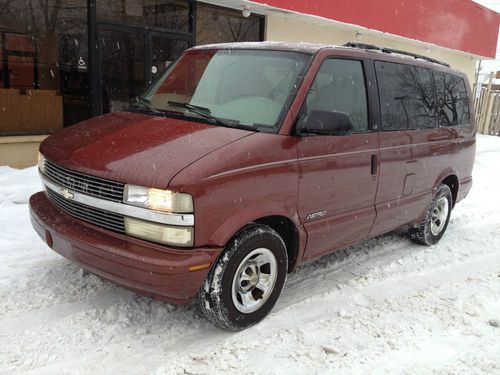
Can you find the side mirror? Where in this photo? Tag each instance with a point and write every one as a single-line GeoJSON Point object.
{"type": "Point", "coordinates": [325, 123]}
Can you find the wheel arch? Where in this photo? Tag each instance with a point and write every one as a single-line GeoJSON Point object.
{"type": "Point", "coordinates": [450, 178]}
{"type": "Point", "coordinates": [452, 182]}
{"type": "Point", "coordinates": [289, 229]}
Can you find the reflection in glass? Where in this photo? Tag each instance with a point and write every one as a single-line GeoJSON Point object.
{"type": "Point", "coordinates": [164, 51]}
{"type": "Point", "coordinates": [406, 96]}
{"type": "Point", "coordinates": [122, 59]}
{"type": "Point", "coordinates": [46, 40]}
{"type": "Point", "coordinates": [216, 25]}
{"type": "Point", "coordinates": [407, 99]}
{"type": "Point", "coordinates": [170, 15]}
{"type": "Point", "coordinates": [453, 103]}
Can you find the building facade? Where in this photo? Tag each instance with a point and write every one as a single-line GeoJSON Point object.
{"type": "Point", "coordinates": [63, 61]}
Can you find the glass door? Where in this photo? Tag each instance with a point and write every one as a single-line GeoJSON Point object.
{"type": "Point", "coordinates": [122, 66]}
{"type": "Point", "coordinates": [130, 58]}
{"type": "Point", "coordinates": [164, 50]}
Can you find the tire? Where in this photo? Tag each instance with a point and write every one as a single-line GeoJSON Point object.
{"type": "Point", "coordinates": [245, 282]}
{"type": "Point", "coordinates": [436, 219]}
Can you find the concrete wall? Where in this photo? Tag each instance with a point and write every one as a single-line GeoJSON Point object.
{"type": "Point", "coordinates": [295, 28]}
{"type": "Point", "coordinates": [20, 152]}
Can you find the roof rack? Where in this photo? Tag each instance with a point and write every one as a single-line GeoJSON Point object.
{"type": "Point", "coordinates": [391, 50]}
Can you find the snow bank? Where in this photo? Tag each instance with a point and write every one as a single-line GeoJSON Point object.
{"type": "Point", "coordinates": [384, 306]}
{"type": "Point", "coordinates": [17, 185]}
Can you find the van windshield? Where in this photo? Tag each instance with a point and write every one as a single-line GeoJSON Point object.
{"type": "Point", "coordinates": [249, 88]}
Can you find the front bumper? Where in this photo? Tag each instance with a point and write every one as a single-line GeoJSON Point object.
{"type": "Point", "coordinates": [145, 267]}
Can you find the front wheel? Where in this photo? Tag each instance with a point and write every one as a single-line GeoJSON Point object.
{"type": "Point", "coordinates": [436, 220]}
{"type": "Point", "coordinates": [246, 281]}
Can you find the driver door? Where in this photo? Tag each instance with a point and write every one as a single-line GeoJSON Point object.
{"type": "Point", "coordinates": [338, 173]}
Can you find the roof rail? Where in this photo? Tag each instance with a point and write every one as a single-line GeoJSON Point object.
{"type": "Point", "coordinates": [391, 50]}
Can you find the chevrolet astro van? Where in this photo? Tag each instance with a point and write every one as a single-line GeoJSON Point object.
{"type": "Point", "coordinates": [242, 161]}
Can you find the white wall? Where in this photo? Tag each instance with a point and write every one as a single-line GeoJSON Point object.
{"type": "Point", "coordinates": [293, 28]}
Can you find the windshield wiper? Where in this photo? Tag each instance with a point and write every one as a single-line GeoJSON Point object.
{"type": "Point", "coordinates": [147, 103]}
{"type": "Point", "coordinates": [205, 112]}
{"type": "Point", "coordinates": [189, 106]}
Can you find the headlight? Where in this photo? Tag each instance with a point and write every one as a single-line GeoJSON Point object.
{"type": "Point", "coordinates": [41, 162]}
{"type": "Point", "coordinates": [165, 234]}
{"type": "Point", "coordinates": [156, 199]}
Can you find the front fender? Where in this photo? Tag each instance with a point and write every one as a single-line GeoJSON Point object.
{"type": "Point", "coordinates": [256, 176]}
{"type": "Point", "coordinates": [232, 224]}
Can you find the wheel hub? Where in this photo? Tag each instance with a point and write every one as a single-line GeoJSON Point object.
{"type": "Point", "coordinates": [254, 280]}
{"type": "Point", "coordinates": [439, 216]}
{"type": "Point", "coordinates": [250, 277]}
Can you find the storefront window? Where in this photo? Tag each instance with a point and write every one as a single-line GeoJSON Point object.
{"type": "Point", "coordinates": [20, 55]}
{"type": "Point", "coordinates": [218, 25]}
{"type": "Point", "coordinates": [169, 15]}
{"type": "Point", "coordinates": [44, 65]}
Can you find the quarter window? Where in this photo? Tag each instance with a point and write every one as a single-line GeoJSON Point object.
{"type": "Point", "coordinates": [453, 103]}
{"type": "Point", "coordinates": [406, 95]}
{"type": "Point", "coordinates": [339, 86]}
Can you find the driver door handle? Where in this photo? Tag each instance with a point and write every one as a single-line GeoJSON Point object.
{"type": "Point", "coordinates": [374, 165]}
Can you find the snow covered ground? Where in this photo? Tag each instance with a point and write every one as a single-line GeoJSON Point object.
{"type": "Point", "coordinates": [384, 306]}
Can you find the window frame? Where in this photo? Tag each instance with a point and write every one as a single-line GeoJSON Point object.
{"type": "Point", "coordinates": [434, 91]}
{"type": "Point", "coordinates": [433, 72]}
{"type": "Point", "coordinates": [370, 92]}
{"type": "Point", "coordinates": [467, 98]}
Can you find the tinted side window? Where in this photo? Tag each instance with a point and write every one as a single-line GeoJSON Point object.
{"type": "Point", "coordinates": [453, 103]}
{"type": "Point", "coordinates": [406, 96]}
{"type": "Point", "coordinates": [340, 86]}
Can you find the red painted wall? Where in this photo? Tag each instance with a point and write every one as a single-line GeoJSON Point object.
{"type": "Point", "coordinates": [457, 24]}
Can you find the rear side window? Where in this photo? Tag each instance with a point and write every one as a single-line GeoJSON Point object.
{"type": "Point", "coordinates": [407, 99]}
{"type": "Point", "coordinates": [452, 103]}
{"type": "Point", "coordinates": [339, 86]}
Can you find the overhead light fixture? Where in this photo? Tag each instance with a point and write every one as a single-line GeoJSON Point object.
{"type": "Point", "coordinates": [246, 12]}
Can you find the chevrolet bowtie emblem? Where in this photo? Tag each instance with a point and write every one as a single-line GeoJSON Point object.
{"type": "Point", "coordinates": [67, 194]}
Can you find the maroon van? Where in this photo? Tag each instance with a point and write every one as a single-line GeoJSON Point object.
{"type": "Point", "coordinates": [242, 161]}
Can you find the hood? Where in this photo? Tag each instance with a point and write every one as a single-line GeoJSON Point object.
{"type": "Point", "coordinates": [136, 148]}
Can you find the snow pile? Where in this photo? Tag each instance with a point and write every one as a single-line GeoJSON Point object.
{"type": "Point", "coordinates": [16, 186]}
{"type": "Point", "coordinates": [386, 305]}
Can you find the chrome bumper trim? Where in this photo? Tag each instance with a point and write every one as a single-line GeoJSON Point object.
{"type": "Point", "coordinates": [184, 220]}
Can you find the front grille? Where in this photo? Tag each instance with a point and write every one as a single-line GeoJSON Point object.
{"type": "Point", "coordinates": [101, 218]}
{"type": "Point", "coordinates": [83, 183]}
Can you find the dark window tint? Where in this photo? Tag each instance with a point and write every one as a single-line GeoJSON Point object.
{"type": "Point", "coordinates": [340, 87]}
{"type": "Point", "coordinates": [406, 96]}
{"type": "Point", "coordinates": [453, 104]}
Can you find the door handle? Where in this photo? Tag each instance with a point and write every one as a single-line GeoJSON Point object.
{"type": "Point", "coordinates": [374, 165]}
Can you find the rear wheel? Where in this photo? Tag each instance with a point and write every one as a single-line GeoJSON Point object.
{"type": "Point", "coordinates": [436, 220]}
{"type": "Point", "coordinates": [247, 279]}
